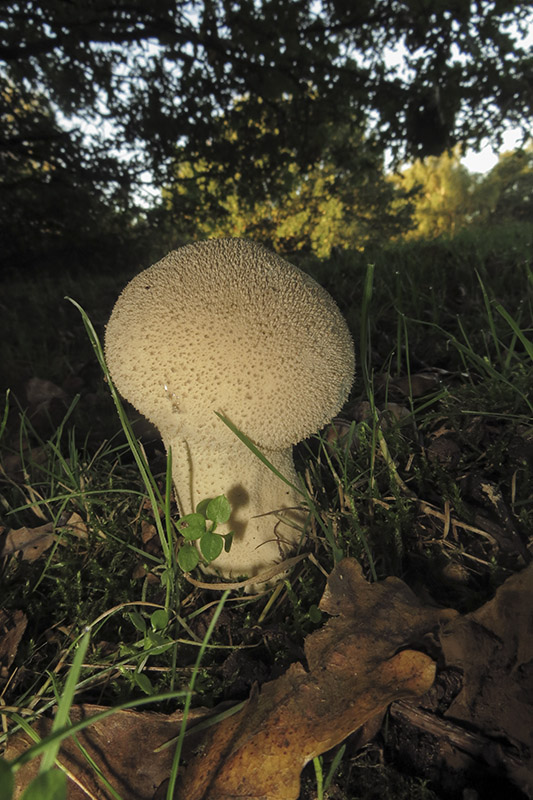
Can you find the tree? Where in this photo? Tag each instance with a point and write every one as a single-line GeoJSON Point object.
{"type": "Point", "coordinates": [54, 203]}
{"type": "Point", "coordinates": [319, 208]}
{"type": "Point", "coordinates": [164, 72]}
{"type": "Point", "coordinates": [506, 193]}
{"type": "Point", "coordinates": [441, 192]}
{"type": "Point", "coordinates": [444, 196]}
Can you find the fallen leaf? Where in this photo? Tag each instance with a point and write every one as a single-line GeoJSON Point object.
{"type": "Point", "coordinates": [12, 627]}
{"type": "Point", "coordinates": [489, 496]}
{"type": "Point", "coordinates": [15, 465]}
{"type": "Point", "coordinates": [418, 384]}
{"type": "Point", "coordinates": [76, 526]}
{"type": "Point", "coordinates": [493, 648]}
{"type": "Point", "coordinates": [40, 391]}
{"type": "Point", "coordinates": [473, 731]}
{"type": "Point", "coordinates": [413, 385]}
{"type": "Point", "coordinates": [33, 542]}
{"type": "Point", "coordinates": [148, 531]}
{"type": "Point", "coordinates": [46, 404]}
{"type": "Point", "coordinates": [444, 450]}
{"type": "Point", "coordinates": [359, 662]}
{"type": "Point", "coordinates": [30, 542]}
{"type": "Point", "coordinates": [125, 746]}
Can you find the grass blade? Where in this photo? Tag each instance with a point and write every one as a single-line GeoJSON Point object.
{"type": "Point", "coordinates": [49, 785]}
{"type": "Point", "coordinates": [364, 332]}
{"type": "Point", "coordinates": [70, 730]}
{"type": "Point", "coordinates": [5, 415]}
{"type": "Point", "coordinates": [255, 450]}
{"type": "Point", "coordinates": [179, 746]}
{"type": "Point", "coordinates": [7, 780]}
{"type": "Point", "coordinates": [528, 345]}
{"type": "Point", "coordinates": [67, 697]}
{"type": "Point", "coordinates": [490, 317]}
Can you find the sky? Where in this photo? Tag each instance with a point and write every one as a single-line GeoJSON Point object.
{"type": "Point", "coordinates": [486, 159]}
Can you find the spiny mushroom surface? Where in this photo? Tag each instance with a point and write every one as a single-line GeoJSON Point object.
{"type": "Point", "coordinates": [226, 325]}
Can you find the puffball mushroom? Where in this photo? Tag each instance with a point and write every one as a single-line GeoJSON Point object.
{"type": "Point", "coordinates": [227, 326]}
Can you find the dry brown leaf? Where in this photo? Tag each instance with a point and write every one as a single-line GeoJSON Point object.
{"type": "Point", "coordinates": [39, 391]}
{"type": "Point", "coordinates": [358, 665]}
{"type": "Point", "coordinates": [493, 648]}
{"type": "Point", "coordinates": [261, 752]}
{"type": "Point", "coordinates": [12, 627]}
{"type": "Point", "coordinates": [148, 531]}
{"type": "Point", "coordinates": [76, 526]}
{"type": "Point", "coordinates": [418, 384]}
{"type": "Point", "coordinates": [46, 404]}
{"type": "Point", "coordinates": [15, 464]}
{"type": "Point", "coordinates": [123, 745]}
{"type": "Point", "coordinates": [413, 385]}
{"type": "Point", "coordinates": [473, 732]}
{"type": "Point", "coordinates": [31, 542]}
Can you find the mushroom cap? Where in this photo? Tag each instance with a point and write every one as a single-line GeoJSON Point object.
{"type": "Point", "coordinates": [226, 325]}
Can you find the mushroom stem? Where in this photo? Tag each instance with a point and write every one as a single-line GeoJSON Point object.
{"type": "Point", "coordinates": [266, 516]}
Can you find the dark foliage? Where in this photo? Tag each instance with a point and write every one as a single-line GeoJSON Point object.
{"type": "Point", "coordinates": [98, 98]}
{"type": "Point", "coordinates": [164, 71]}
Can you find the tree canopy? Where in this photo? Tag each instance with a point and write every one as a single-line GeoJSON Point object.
{"type": "Point", "coordinates": [444, 196]}
{"type": "Point", "coordinates": [344, 200]}
{"type": "Point", "coordinates": [55, 197]}
{"type": "Point", "coordinates": [257, 105]}
{"type": "Point", "coordinates": [162, 73]}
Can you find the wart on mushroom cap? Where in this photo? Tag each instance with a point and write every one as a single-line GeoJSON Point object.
{"type": "Point", "coordinates": [226, 325]}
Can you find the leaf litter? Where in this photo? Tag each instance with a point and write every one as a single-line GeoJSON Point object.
{"type": "Point", "coordinates": [357, 663]}
{"type": "Point", "coordinates": [380, 646]}
{"type": "Point", "coordinates": [30, 543]}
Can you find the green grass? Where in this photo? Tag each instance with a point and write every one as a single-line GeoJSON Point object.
{"type": "Point", "coordinates": [395, 487]}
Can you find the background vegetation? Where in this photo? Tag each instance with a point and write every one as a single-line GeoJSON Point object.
{"type": "Point", "coordinates": [132, 125]}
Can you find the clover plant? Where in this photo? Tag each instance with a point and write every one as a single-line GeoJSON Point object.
{"type": "Point", "coordinates": [201, 526]}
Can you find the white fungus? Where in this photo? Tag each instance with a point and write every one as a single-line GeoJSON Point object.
{"type": "Point", "coordinates": [226, 325]}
